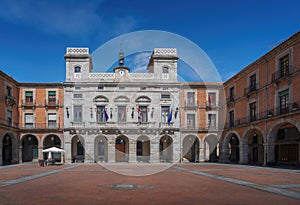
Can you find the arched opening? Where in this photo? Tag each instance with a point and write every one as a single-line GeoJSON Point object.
{"type": "Point", "coordinates": [255, 148]}
{"type": "Point", "coordinates": [101, 149]}
{"type": "Point", "coordinates": [122, 149]}
{"type": "Point", "coordinates": [234, 150]}
{"type": "Point", "coordinates": [287, 145]}
{"type": "Point", "coordinates": [77, 149]}
{"type": "Point", "coordinates": [166, 149]}
{"type": "Point", "coordinates": [190, 149]}
{"type": "Point", "coordinates": [143, 149]}
{"type": "Point", "coordinates": [211, 148]}
{"type": "Point", "coordinates": [7, 150]}
{"type": "Point", "coordinates": [29, 148]}
{"type": "Point", "coordinates": [52, 141]}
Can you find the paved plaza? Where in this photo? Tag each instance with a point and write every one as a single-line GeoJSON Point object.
{"type": "Point", "coordinates": [203, 183]}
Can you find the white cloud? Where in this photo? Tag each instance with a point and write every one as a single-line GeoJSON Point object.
{"type": "Point", "coordinates": [140, 62]}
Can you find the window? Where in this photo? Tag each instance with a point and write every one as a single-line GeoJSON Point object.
{"type": "Point", "coordinates": [121, 88]}
{"type": "Point", "coordinates": [100, 87]}
{"type": "Point", "coordinates": [51, 96]}
{"type": "Point", "coordinates": [78, 113]}
{"type": "Point", "coordinates": [121, 113]}
{"type": "Point", "coordinates": [283, 101]}
{"type": "Point", "coordinates": [190, 98]}
{"type": "Point", "coordinates": [252, 83]}
{"type": "Point", "coordinates": [231, 118]}
{"type": "Point", "coordinates": [143, 114]}
{"type": "Point", "coordinates": [29, 120]}
{"type": "Point", "coordinates": [284, 66]}
{"type": "Point", "coordinates": [211, 120]}
{"type": "Point", "coordinates": [143, 88]}
{"type": "Point", "coordinates": [77, 88]}
{"type": "Point", "coordinates": [165, 96]}
{"type": "Point", "coordinates": [9, 117]}
{"type": "Point", "coordinates": [28, 96]}
{"type": "Point", "coordinates": [190, 120]}
{"type": "Point", "coordinates": [77, 95]}
{"type": "Point", "coordinates": [52, 120]}
{"type": "Point", "coordinates": [101, 114]}
{"type": "Point", "coordinates": [231, 94]}
{"type": "Point", "coordinates": [165, 111]}
{"type": "Point", "coordinates": [165, 70]}
{"type": "Point", "coordinates": [8, 91]}
{"type": "Point", "coordinates": [77, 69]}
{"type": "Point", "coordinates": [252, 111]}
{"type": "Point", "coordinates": [212, 99]}
{"type": "Point", "coordinates": [101, 147]}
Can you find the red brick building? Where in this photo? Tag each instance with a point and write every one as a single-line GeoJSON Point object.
{"type": "Point", "coordinates": [263, 114]}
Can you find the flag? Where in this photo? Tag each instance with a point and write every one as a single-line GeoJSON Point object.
{"type": "Point", "coordinates": [170, 117]}
{"type": "Point", "coordinates": [106, 115]}
{"type": "Point", "coordinates": [140, 117]}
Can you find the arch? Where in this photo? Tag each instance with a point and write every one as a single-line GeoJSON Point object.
{"type": "Point", "coordinates": [122, 99]}
{"type": "Point", "coordinates": [211, 148]}
{"type": "Point", "coordinates": [122, 149]}
{"type": "Point", "coordinates": [284, 143]}
{"type": "Point", "coordinates": [101, 98]}
{"type": "Point", "coordinates": [29, 147]}
{"type": "Point", "coordinates": [101, 149]}
{"type": "Point", "coordinates": [231, 150]}
{"type": "Point", "coordinates": [190, 148]}
{"type": "Point", "coordinates": [52, 140]}
{"type": "Point", "coordinates": [166, 149]}
{"type": "Point", "coordinates": [143, 99]}
{"type": "Point", "coordinates": [77, 149]}
{"type": "Point", "coordinates": [253, 141]}
{"type": "Point", "coordinates": [143, 149]}
{"type": "Point", "coordinates": [10, 149]}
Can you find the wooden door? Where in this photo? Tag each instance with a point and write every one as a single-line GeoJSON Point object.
{"type": "Point", "coordinates": [120, 153]}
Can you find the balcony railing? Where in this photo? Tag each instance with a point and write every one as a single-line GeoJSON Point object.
{"type": "Point", "coordinates": [193, 104]}
{"type": "Point", "coordinates": [230, 99]}
{"type": "Point", "coordinates": [211, 105]}
{"type": "Point", "coordinates": [290, 108]}
{"type": "Point", "coordinates": [282, 72]}
{"type": "Point", "coordinates": [10, 100]}
{"type": "Point", "coordinates": [52, 102]}
{"type": "Point", "coordinates": [8, 122]}
{"type": "Point", "coordinates": [251, 89]}
{"type": "Point", "coordinates": [28, 103]}
{"type": "Point", "coordinates": [40, 126]}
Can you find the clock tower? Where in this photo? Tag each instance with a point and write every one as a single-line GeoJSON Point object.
{"type": "Point", "coordinates": [121, 71]}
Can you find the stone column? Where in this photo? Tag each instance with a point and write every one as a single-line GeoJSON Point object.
{"type": "Point", "coordinates": [68, 151]}
{"type": "Point", "coordinates": [265, 145]}
{"type": "Point", "coordinates": [201, 152]}
{"type": "Point", "coordinates": [1, 157]}
{"type": "Point", "coordinates": [89, 152]}
{"type": "Point", "coordinates": [154, 150]}
{"type": "Point", "coordinates": [111, 150]}
{"type": "Point", "coordinates": [132, 150]}
{"type": "Point", "coordinates": [243, 154]}
{"type": "Point", "coordinates": [20, 154]}
{"type": "Point", "coordinates": [40, 152]}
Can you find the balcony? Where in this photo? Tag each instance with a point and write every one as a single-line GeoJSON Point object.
{"type": "Point", "coordinates": [28, 103]}
{"type": "Point", "coordinates": [8, 122]}
{"type": "Point", "coordinates": [40, 126]}
{"type": "Point", "coordinates": [282, 73]}
{"type": "Point", "coordinates": [191, 105]}
{"type": "Point", "coordinates": [211, 105]}
{"type": "Point", "coordinates": [122, 124]}
{"type": "Point", "coordinates": [289, 109]}
{"type": "Point", "coordinates": [10, 100]}
{"type": "Point", "coordinates": [52, 103]}
{"type": "Point", "coordinates": [251, 90]}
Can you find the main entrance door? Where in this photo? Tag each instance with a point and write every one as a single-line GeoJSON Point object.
{"type": "Point", "coordinates": [121, 150]}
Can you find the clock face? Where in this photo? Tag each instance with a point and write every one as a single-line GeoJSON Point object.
{"type": "Point", "coordinates": [121, 72]}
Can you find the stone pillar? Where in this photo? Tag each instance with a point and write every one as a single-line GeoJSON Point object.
{"type": "Point", "coordinates": [89, 152]}
{"type": "Point", "coordinates": [271, 152]}
{"type": "Point", "coordinates": [265, 145]}
{"type": "Point", "coordinates": [154, 150]}
{"type": "Point", "coordinates": [40, 152]}
{"type": "Point", "coordinates": [132, 150]}
{"type": "Point", "coordinates": [224, 152]}
{"type": "Point", "coordinates": [20, 154]}
{"type": "Point", "coordinates": [201, 152]}
{"type": "Point", "coordinates": [1, 157]}
{"type": "Point", "coordinates": [176, 150]}
{"type": "Point", "coordinates": [111, 150]}
{"type": "Point", "coordinates": [68, 151]}
{"type": "Point", "coordinates": [243, 154]}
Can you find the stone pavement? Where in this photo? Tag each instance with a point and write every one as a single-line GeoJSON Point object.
{"type": "Point", "coordinates": [204, 183]}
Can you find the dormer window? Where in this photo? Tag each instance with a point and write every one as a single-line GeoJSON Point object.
{"type": "Point", "coordinates": [165, 70]}
{"type": "Point", "coordinates": [77, 69]}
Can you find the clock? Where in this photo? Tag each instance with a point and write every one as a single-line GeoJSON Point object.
{"type": "Point", "coordinates": [121, 72]}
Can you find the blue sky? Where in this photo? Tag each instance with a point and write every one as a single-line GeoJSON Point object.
{"type": "Point", "coordinates": [34, 34]}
